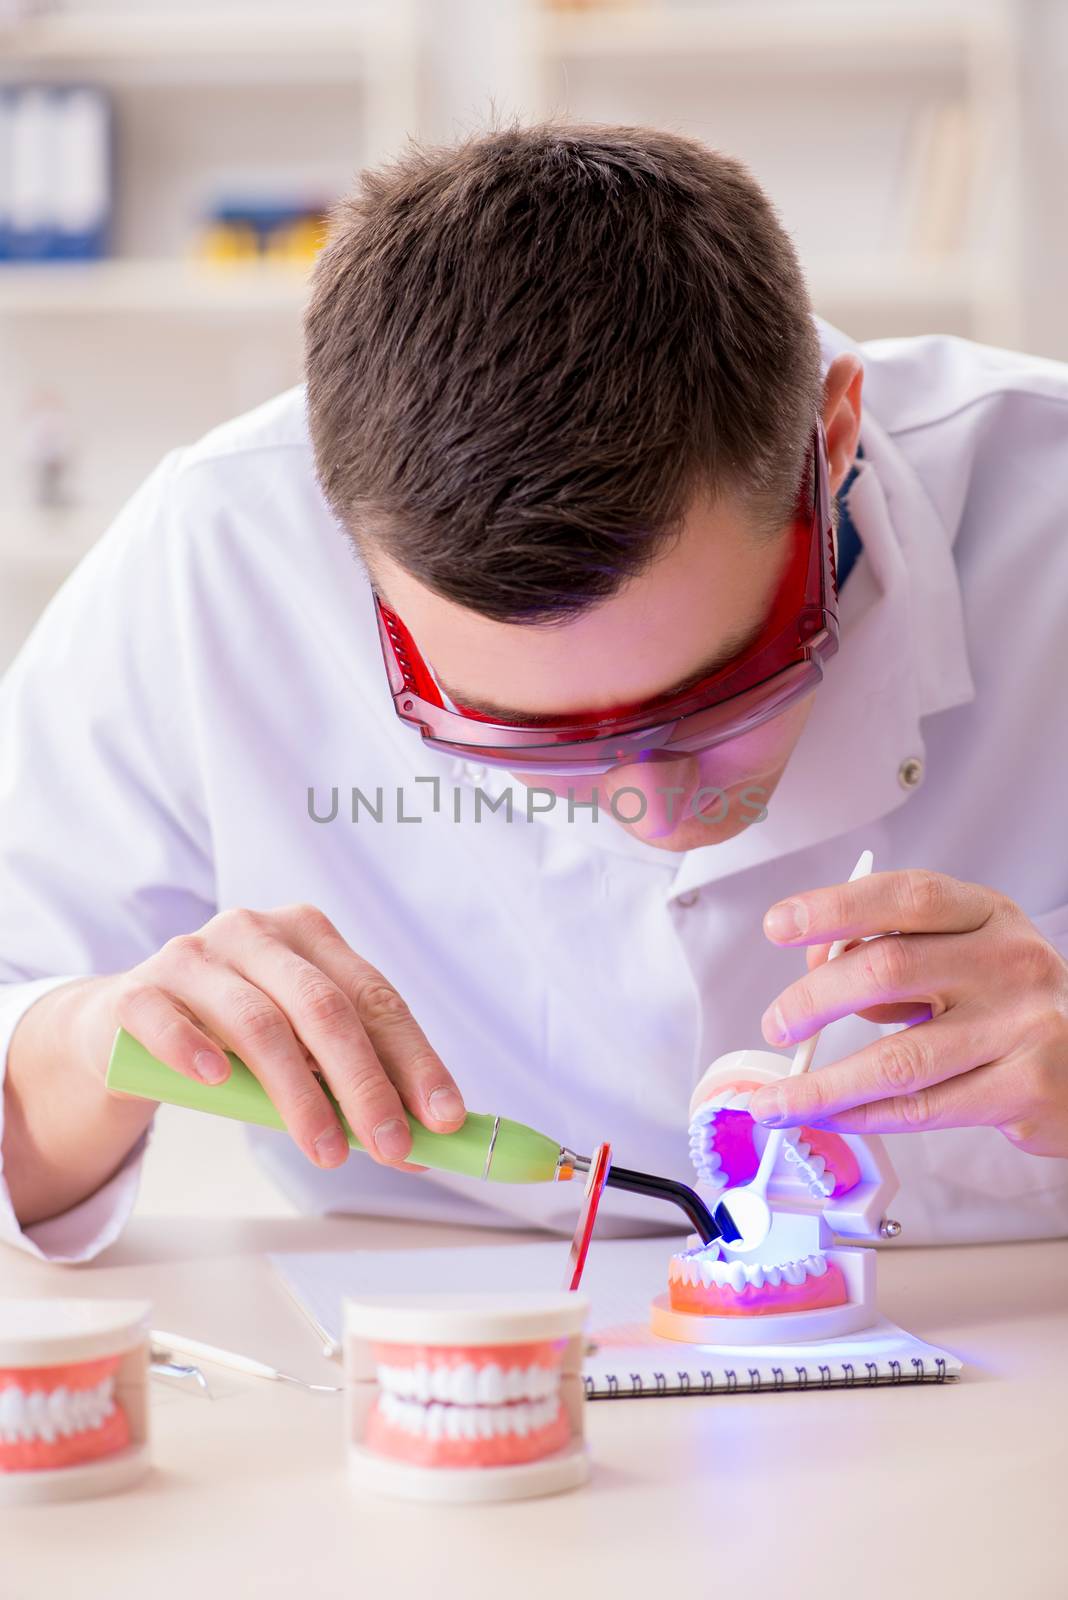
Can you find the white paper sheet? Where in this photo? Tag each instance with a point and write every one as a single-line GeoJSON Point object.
{"type": "Point", "coordinates": [620, 1280]}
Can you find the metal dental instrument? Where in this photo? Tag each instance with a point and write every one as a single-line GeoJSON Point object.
{"type": "Point", "coordinates": [176, 1344]}
{"type": "Point", "coordinates": [161, 1366]}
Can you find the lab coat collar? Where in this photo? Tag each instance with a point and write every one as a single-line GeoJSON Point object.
{"type": "Point", "coordinates": [902, 657]}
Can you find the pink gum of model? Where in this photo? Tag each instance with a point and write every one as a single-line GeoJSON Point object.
{"type": "Point", "coordinates": [57, 1440]}
{"type": "Point", "coordinates": [732, 1139]}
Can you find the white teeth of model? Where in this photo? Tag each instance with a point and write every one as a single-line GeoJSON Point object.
{"type": "Point", "coordinates": [435, 1422]}
{"type": "Point", "coordinates": [490, 1385]}
{"type": "Point", "coordinates": [794, 1271]}
{"type": "Point", "coordinates": [736, 1276]}
{"type": "Point", "coordinates": [59, 1411]}
{"type": "Point", "coordinates": [465, 1384]}
{"type": "Point", "coordinates": [544, 1382]}
{"type": "Point", "coordinates": [706, 1111]}
{"type": "Point", "coordinates": [817, 1265]}
{"type": "Point", "coordinates": [486, 1422]}
{"type": "Point", "coordinates": [10, 1410]}
{"type": "Point", "coordinates": [440, 1383]}
{"type": "Point", "coordinates": [701, 1135]}
{"type": "Point", "coordinates": [773, 1276]}
{"type": "Point", "coordinates": [11, 1414]}
{"type": "Point", "coordinates": [37, 1416]}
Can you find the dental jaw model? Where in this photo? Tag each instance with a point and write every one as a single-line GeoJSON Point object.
{"type": "Point", "coordinates": [797, 1285]}
{"type": "Point", "coordinates": [465, 1397]}
{"type": "Point", "coordinates": [73, 1398]}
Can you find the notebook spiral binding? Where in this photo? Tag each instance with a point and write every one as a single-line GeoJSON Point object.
{"type": "Point", "coordinates": [731, 1380]}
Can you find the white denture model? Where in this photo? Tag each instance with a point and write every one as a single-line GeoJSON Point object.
{"type": "Point", "coordinates": [73, 1398]}
{"type": "Point", "coordinates": [465, 1396]}
{"type": "Point", "coordinates": [796, 1285]}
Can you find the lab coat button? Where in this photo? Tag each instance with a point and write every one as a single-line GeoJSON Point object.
{"type": "Point", "coordinates": [690, 898]}
{"type": "Point", "coordinates": [910, 772]}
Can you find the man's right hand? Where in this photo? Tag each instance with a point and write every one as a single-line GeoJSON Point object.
{"type": "Point", "coordinates": [283, 991]}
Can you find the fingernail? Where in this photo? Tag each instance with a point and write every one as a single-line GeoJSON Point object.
{"type": "Point", "coordinates": [768, 1108]}
{"type": "Point", "coordinates": [331, 1148]}
{"type": "Point", "coordinates": [209, 1067]}
{"type": "Point", "coordinates": [773, 1026]}
{"type": "Point", "coordinates": [446, 1105]}
{"type": "Point", "coordinates": [392, 1139]}
{"type": "Point", "coordinates": [787, 920]}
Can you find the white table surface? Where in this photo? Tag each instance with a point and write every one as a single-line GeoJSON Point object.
{"type": "Point", "coordinates": [957, 1492]}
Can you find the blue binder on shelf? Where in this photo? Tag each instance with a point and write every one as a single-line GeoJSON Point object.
{"type": "Point", "coordinates": [56, 173]}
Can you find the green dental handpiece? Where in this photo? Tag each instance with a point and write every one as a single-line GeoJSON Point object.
{"type": "Point", "coordinates": [485, 1147]}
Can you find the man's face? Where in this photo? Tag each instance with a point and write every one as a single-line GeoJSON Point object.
{"type": "Point", "coordinates": [705, 597]}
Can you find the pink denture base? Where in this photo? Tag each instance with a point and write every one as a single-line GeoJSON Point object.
{"type": "Point", "coordinates": [710, 1300]}
{"type": "Point", "coordinates": [731, 1137]}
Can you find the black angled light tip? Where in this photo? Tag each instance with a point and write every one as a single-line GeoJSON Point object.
{"type": "Point", "coordinates": [708, 1226]}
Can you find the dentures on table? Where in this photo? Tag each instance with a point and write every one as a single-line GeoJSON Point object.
{"type": "Point", "coordinates": [797, 1284]}
{"type": "Point", "coordinates": [699, 1282]}
{"type": "Point", "coordinates": [73, 1399]}
{"type": "Point", "coordinates": [466, 1397]}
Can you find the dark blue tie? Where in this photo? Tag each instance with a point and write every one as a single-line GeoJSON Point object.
{"type": "Point", "coordinates": [849, 545]}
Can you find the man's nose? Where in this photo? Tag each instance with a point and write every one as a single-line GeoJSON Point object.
{"type": "Point", "coordinates": [649, 797]}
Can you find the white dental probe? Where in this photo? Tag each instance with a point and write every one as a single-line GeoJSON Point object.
{"type": "Point", "coordinates": [746, 1208]}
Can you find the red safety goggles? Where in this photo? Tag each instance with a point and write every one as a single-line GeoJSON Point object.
{"type": "Point", "coordinates": [785, 663]}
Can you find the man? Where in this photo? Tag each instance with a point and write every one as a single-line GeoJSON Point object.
{"type": "Point", "coordinates": [559, 496]}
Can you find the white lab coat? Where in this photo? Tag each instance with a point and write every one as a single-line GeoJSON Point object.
{"type": "Point", "coordinates": [216, 655]}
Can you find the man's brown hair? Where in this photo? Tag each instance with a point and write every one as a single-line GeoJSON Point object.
{"type": "Point", "coordinates": [528, 353]}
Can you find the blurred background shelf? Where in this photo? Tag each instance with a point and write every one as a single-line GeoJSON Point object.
{"type": "Point", "coordinates": [156, 287]}
{"type": "Point", "coordinates": [187, 42]}
{"type": "Point", "coordinates": [773, 32]}
{"type": "Point", "coordinates": [915, 151]}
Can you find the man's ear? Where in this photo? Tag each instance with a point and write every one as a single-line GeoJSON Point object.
{"type": "Point", "coordinates": [841, 415]}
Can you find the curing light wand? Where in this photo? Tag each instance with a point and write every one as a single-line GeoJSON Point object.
{"type": "Point", "coordinates": [495, 1149]}
{"type": "Point", "coordinates": [668, 1189]}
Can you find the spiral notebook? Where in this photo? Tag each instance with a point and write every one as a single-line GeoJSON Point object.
{"type": "Point", "coordinates": [626, 1360]}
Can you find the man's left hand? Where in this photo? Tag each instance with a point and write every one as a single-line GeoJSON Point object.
{"type": "Point", "coordinates": [985, 994]}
